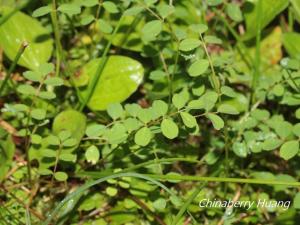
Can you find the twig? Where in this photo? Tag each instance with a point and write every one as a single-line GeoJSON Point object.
{"type": "Point", "coordinates": [21, 50]}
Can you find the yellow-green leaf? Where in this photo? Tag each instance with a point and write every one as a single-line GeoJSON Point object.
{"type": "Point", "coordinates": [120, 77]}
{"type": "Point", "coordinates": [19, 28]}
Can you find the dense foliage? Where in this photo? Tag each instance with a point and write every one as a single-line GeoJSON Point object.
{"type": "Point", "coordinates": [133, 111]}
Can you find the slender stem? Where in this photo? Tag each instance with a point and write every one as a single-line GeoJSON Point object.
{"type": "Point", "coordinates": [13, 65]}
{"type": "Point", "coordinates": [214, 79]}
{"type": "Point", "coordinates": [240, 44]}
{"type": "Point", "coordinates": [257, 53]}
{"type": "Point", "coordinates": [92, 85]}
{"type": "Point", "coordinates": [28, 140]}
{"type": "Point", "coordinates": [291, 19]}
{"type": "Point", "coordinates": [222, 179]}
{"type": "Point", "coordinates": [56, 161]}
{"type": "Point", "coordinates": [58, 49]}
{"type": "Point", "coordinates": [93, 32]}
{"type": "Point", "coordinates": [293, 80]}
{"type": "Point", "coordinates": [168, 77]}
{"type": "Point", "coordinates": [189, 201]}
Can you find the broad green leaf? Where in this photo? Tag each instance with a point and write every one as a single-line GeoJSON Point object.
{"type": "Point", "coordinates": [217, 121]}
{"type": "Point", "coordinates": [92, 154]}
{"type": "Point", "coordinates": [296, 9]}
{"type": "Point", "coordinates": [284, 178]}
{"type": "Point", "coordinates": [283, 129]}
{"type": "Point", "coordinates": [111, 191]}
{"type": "Point", "coordinates": [45, 69]}
{"type": "Point", "coordinates": [44, 10]}
{"type": "Point", "coordinates": [19, 28]}
{"type": "Point", "coordinates": [32, 76]}
{"type": "Point", "coordinates": [54, 81]}
{"type": "Point", "coordinates": [160, 107]}
{"type": "Point", "coordinates": [165, 10]}
{"type": "Point", "coordinates": [169, 128]}
{"type": "Point", "coordinates": [278, 90]}
{"type": "Point", "coordinates": [133, 11]}
{"type": "Point", "coordinates": [7, 150]}
{"type": "Point", "coordinates": [157, 75]}
{"type": "Point", "coordinates": [240, 149]}
{"type": "Point", "coordinates": [72, 121]}
{"type": "Point", "coordinates": [119, 79]}
{"type": "Point", "coordinates": [296, 129]}
{"type": "Point", "coordinates": [117, 134]}
{"type": "Point", "coordinates": [214, 2]}
{"type": "Point", "coordinates": [189, 44]}
{"type": "Point", "coordinates": [144, 115]}
{"type": "Point", "coordinates": [71, 142]}
{"type": "Point", "coordinates": [269, 10]}
{"type": "Point", "coordinates": [179, 100]}
{"type": "Point", "coordinates": [212, 40]}
{"type": "Point", "coordinates": [150, 2]}
{"type": "Point", "coordinates": [95, 130]}
{"type": "Point", "coordinates": [234, 12]}
{"type": "Point", "coordinates": [26, 89]}
{"type": "Point", "coordinates": [36, 139]}
{"type": "Point", "coordinates": [151, 30]}
{"type": "Point", "coordinates": [115, 110]}
{"type": "Point", "coordinates": [198, 67]}
{"type": "Point", "coordinates": [228, 91]}
{"type": "Point", "coordinates": [160, 204]}
{"type": "Point", "coordinates": [64, 135]}
{"type": "Point", "coordinates": [297, 201]}
{"type": "Point", "coordinates": [188, 120]}
{"type": "Point", "coordinates": [260, 114]}
{"type": "Point", "coordinates": [271, 144]}
{"type": "Point", "coordinates": [105, 27]}
{"type": "Point", "coordinates": [227, 109]}
{"type": "Point", "coordinates": [47, 95]}
{"type": "Point", "coordinates": [143, 136]}
{"type": "Point", "coordinates": [61, 176]}
{"type": "Point", "coordinates": [87, 20]}
{"type": "Point", "coordinates": [133, 109]}
{"type": "Point", "coordinates": [208, 100]}
{"type": "Point", "coordinates": [199, 28]}
{"type": "Point", "coordinates": [70, 9]}
{"type": "Point", "coordinates": [89, 3]}
{"type": "Point", "coordinates": [290, 43]}
{"type": "Point", "coordinates": [132, 124]}
{"type": "Point", "coordinates": [289, 149]}
{"type": "Point", "coordinates": [53, 140]}
{"type": "Point", "coordinates": [110, 7]}
{"type": "Point", "coordinates": [38, 114]}
{"type": "Point", "coordinates": [67, 157]}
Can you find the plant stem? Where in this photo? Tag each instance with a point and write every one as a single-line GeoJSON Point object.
{"type": "Point", "coordinates": [214, 79]}
{"type": "Point", "coordinates": [240, 44]}
{"type": "Point", "coordinates": [257, 52]}
{"type": "Point", "coordinates": [21, 50]}
{"type": "Point", "coordinates": [168, 77]}
{"type": "Point", "coordinates": [58, 49]}
{"type": "Point", "coordinates": [222, 180]}
{"type": "Point", "coordinates": [92, 85]}
{"type": "Point", "coordinates": [56, 161]}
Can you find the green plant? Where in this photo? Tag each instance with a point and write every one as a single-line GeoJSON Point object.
{"type": "Point", "coordinates": [133, 111]}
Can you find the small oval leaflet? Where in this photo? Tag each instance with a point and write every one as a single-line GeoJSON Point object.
{"type": "Point", "coordinates": [169, 128]}
{"type": "Point", "coordinates": [143, 136]}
